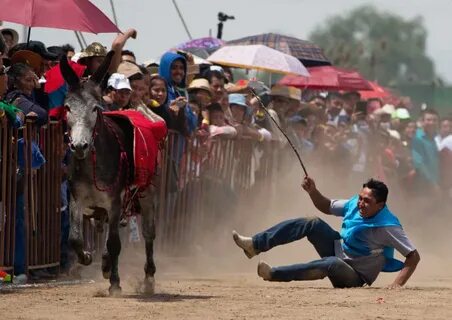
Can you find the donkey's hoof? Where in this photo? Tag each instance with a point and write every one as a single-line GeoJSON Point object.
{"type": "Point", "coordinates": [115, 290]}
{"type": "Point", "coordinates": [87, 258]}
{"type": "Point", "coordinates": [149, 285]}
{"type": "Point", "coordinates": [106, 266]}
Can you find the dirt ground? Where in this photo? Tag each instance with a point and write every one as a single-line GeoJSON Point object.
{"type": "Point", "coordinates": [230, 296]}
{"type": "Point", "coordinates": [216, 281]}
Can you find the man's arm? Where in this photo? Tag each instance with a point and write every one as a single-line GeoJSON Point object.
{"type": "Point", "coordinates": [118, 44]}
{"type": "Point", "coordinates": [411, 262]}
{"type": "Point", "coordinates": [321, 202]}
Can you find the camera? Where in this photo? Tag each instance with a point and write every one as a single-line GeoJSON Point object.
{"type": "Point", "coordinates": [224, 17]}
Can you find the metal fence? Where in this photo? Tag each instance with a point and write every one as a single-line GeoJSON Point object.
{"type": "Point", "coordinates": [201, 181]}
{"type": "Point", "coordinates": [41, 193]}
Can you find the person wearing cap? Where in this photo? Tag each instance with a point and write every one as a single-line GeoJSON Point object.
{"type": "Point", "coordinates": [298, 132]}
{"type": "Point", "coordinates": [399, 119]}
{"type": "Point", "coordinates": [201, 91]}
{"type": "Point", "coordinates": [242, 115]}
{"type": "Point", "coordinates": [92, 57]}
{"type": "Point", "coordinates": [118, 92]}
{"type": "Point", "coordinates": [384, 116]}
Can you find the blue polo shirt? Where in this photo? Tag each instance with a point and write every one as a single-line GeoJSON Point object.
{"type": "Point", "coordinates": [425, 157]}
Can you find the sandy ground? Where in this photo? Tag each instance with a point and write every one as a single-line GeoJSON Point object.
{"type": "Point", "coordinates": [233, 296]}
{"type": "Point", "coordinates": [216, 281]}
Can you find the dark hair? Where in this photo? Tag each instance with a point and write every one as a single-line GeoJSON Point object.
{"type": "Point", "coordinates": [57, 50]}
{"type": "Point", "coordinates": [379, 189]}
{"type": "Point", "coordinates": [429, 111]}
{"type": "Point", "coordinates": [8, 32]}
{"type": "Point", "coordinates": [214, 74]}
{"type": "Point", "coordinates": [214, 107]}
{"type": "Point", "coordinates": [67, 48]}
{"type": "Point", "coordinates": [2, 44]}
{"type": "Point", "coordinates": [136, 76]}
{"type": "Point", "coordinates": [144, 70]}
{"type": "Point", "coordinates": [128, 53]}
{"type": "Point", "coordinates": [16, 71]}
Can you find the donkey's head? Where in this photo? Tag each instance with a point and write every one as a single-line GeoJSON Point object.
{"type": "Point", "coordinates": [83, 103]}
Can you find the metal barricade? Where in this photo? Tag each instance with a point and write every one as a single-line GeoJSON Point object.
{"type": "Point", "coordinates": [43, 195]}
{"type": "Point", "coordinates": [8, 174]}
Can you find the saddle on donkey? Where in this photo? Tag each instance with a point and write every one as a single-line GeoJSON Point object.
{"type": "Point", "coordinates": [147, 138]}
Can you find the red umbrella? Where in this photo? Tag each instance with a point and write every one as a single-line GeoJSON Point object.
{"type": "Point", "coordinates": [77, 15]}
{"type": "Point", "coordinates": [377, 91]}
{"type": "Point", "coordinates": [328, 78]}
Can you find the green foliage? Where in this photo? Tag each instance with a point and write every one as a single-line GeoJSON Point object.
{"type": "Point", "coordinates": [381, 45]}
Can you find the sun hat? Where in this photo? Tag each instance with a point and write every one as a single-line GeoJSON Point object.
{"type": "Point", "coordinates": [238, 99]}
{"type": "Point", "coordinates": [200, 84]}
{"type": "Point", "coordinates": [286, 92]}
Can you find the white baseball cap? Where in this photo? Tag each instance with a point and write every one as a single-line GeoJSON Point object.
{"type": "Point", "coordinates": [119, 81]}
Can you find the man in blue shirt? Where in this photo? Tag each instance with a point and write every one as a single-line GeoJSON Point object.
{"type": "Point", "coordinates": [351, 258]}
{"type": "Point", "coordinates": [425, 154]}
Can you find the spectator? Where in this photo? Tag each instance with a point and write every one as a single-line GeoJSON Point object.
{"type": "Point", "coordinates": [21, 83]}
{"type": "Point", "coordinates": [3, 79]}
{"type": "Point", "coordinates": [118, 92]}
{"type": "Point", "coordinates": [68, 50]}
{"type": "Point", "coordinates": [159, 104]}
{"type": "Point", "coordinates": [445, 130]}
{"type": "Point", "coordinates": [127, 55]}
{"type": "Point", "coordinates": [216, 79]}
{"type": "Point", "coordinates": [92, 57]}
{"type": "Point", "coordinates": [425, 154]}
{"type": "Point", "coordinates": [173, 68]}
{"type": "Point", "coordinates": [218, 126]}
{"type": "Point", "coordinates": [11, 38]}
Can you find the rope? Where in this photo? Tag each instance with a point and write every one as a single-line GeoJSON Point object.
{"type": "Point", "coordinates": [282, 131]}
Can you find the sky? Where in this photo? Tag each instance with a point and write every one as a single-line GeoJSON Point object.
{"type": "Point", "coordinates": [159, 27]}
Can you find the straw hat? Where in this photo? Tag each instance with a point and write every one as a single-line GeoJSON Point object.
{"type": "Point", "coordinates": [200, 84]}
{"type": "Point", "coordinates": [128, 69]}
{"type": "Point", "coordinates": [287, 92]}
{"type": "Point", "coordinates": [12, 32]}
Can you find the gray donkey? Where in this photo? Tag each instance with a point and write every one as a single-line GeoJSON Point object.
{"type": "Point", "coordinates": [98, 162]}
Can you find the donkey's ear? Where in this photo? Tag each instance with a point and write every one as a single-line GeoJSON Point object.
{"type": "Point", "coordinates": [69, 75]}
{"type": "Point", "coordinates": [100, 73]}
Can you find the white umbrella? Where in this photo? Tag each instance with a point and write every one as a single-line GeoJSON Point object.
{"type": "Point", "coordinates": [258, 57]}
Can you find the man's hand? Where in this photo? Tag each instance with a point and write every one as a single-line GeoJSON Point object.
{"type": "Point", "coordinates": [394, 286]}
{"type": "Point", "coordinates": [309, 185]}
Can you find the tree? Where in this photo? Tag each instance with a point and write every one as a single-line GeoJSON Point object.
{"type": "Point", "coordinates": [382, 46]}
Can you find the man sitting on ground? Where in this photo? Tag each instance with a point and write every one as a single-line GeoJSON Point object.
{"type": "Point", "coordinates": [355, 256]}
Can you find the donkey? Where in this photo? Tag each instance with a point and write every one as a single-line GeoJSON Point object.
{"type": "Point", "coordinates": [98, 145]}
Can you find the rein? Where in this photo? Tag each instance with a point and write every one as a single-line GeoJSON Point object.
{"type": "Point", "coordinates": [123, 160]}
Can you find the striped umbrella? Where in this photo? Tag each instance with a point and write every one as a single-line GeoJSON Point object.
{"type": "Point", "coordinates": [307, 52]}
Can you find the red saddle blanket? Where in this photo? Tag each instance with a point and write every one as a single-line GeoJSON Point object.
{"type": "Point", "coordinates": [147, 136]}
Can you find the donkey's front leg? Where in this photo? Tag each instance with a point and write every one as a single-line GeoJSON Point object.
{"type": "Point", "coordinates": [149, 237]}
{"type": "Point", "coordinates": [114, 246]}
{"type": "Point", "coordinates": [76, 233]}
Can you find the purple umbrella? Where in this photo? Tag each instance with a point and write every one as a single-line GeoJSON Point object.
{"type": "Point", "coordinates": [207, 43]}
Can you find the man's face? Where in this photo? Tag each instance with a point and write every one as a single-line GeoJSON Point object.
{"type": "Point", "coordinates": [410, 130]}
{"type": "Point", "coordinates": [127, 57]}
{"type": "Point", "coordinates": [430, 123]}
{"type": "Point", "coordinates": [94, 64]}
{"type": "Point", "coordinates": [121, 97]}
{"type": "Point", "coordinates": [367, 204]}
{"type": "Point", "coordinates": [334, 105]}
{"type": "Point", "coordinates": [177, 71]}
{"type": "Point", "coordinates": [217, 87]}
{"type": "Point", "coordinates": [27, 83]}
